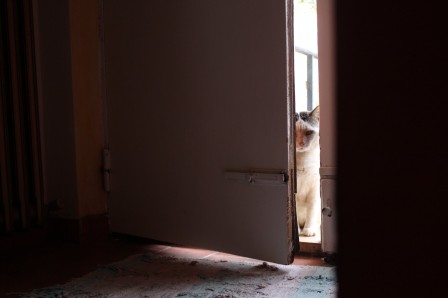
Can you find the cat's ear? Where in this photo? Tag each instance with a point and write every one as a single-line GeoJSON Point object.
{"type": "Point", "coordinates": [315, 113]}
{"type": "Point", "coordinates": [296, 117]}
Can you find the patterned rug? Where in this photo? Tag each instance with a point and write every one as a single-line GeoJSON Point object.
{"type": "Point", "coordinates": [150, 275]}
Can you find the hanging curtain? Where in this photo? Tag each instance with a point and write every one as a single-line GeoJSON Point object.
{"type": "Point", "coordinates": [20, 161]}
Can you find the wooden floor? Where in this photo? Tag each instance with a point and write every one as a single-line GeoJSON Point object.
{"type": "Point", "coordinates": [52, 262]}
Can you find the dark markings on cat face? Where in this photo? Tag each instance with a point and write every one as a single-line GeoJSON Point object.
{"type": "Point", "coordinates": [312, 117]}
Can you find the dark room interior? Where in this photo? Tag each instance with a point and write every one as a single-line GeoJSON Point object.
{"type": "Point", "coordinates": [390, 92]}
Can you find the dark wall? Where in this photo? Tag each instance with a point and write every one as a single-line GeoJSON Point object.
{"type": "Point", "coordinates": [392, 158]}
{"type": "Point", "coordinates": [54, 67]}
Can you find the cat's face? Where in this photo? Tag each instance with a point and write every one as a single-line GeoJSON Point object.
{"type": "Point", "coordinates": [307, 130]}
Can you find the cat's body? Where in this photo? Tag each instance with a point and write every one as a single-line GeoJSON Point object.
{"type": "Point", "coordinates": [308, 201]}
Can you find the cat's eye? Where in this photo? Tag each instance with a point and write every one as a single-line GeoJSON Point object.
{"type": "Point", "coordinates": [309, 132]}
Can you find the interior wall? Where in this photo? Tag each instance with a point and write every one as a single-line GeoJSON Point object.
{"type": "Point", "coordinates": [56, 104]}
{"type": "Point", "coordinates": [392, 151]}
{"type": "Point", "coordinates": [87, 104]}
{"type": "Point", "coordinates": [70, 91]}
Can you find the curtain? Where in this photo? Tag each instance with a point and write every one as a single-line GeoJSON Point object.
{"type": "Point", "coordinates": [20, 158]}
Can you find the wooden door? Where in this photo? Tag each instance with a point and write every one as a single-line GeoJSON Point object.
{"type": "Point", "coordinates": [200, 121]}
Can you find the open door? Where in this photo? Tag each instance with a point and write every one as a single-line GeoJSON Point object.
{"type": "Point", "coordinates": [200, 121]}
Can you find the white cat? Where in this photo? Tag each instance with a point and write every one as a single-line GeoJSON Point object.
{"type": "Point", "coordinates": [308, 201]}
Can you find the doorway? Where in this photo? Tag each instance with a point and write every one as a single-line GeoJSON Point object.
{"type": "Point", "coordinates": [306, 81]}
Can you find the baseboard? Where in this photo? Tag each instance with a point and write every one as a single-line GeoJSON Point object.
{"type": "Point", "coordinates": [88, 229]}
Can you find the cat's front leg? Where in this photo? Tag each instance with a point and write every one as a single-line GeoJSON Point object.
{"type": "Point", "coordinates": [308, 232]}
{"type": "Point", "coordinates": [313, 216]}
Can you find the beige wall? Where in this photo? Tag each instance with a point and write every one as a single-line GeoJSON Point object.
{"type": "Point", "coordinates": [87, 105]}
{"type": "Point", "coordinates": [56, 104]}
{"type": "Point", "coordinates": [71, 105]}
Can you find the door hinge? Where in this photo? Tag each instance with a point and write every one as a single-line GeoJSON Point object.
{"type": "Point", "coordinates": [106, 169]}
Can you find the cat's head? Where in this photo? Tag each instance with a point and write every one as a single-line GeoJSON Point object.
{"type": "Point", "coordinates": [307, 130]}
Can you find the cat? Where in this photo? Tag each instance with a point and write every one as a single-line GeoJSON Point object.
{"type": "Point", "coordinates": [308, 201]}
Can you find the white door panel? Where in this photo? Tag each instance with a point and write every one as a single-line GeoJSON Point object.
{"type": "Point", "coordinates": [194, 89]}
{"type": "Point", "coordinates": [328, 132]}
{"type": "Point", "coordinates": [329, 216]}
